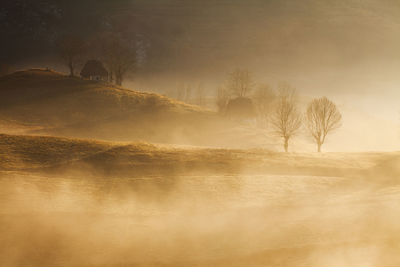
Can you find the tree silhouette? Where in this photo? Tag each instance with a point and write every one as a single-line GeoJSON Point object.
{"type": "Point", "coordinates": [263, 99]}
{"type": "Point", "coordinates": [286, 120]}
{"type": "Point", "coordinates": [240, 83]}
{"type": "Point", "coordinates": [71, 49]}
{"type": "Point", "coordinates": [119, 55]}
{"type": "Point", "coordinates": [322, 118]}
{"type": "Point", "coordinates": [222, 99]}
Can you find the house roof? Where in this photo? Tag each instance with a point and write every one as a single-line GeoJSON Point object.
{"type": "Point", "coordinates": [93, 68]}
{"type": "Point", "coordinates": [241, 107]}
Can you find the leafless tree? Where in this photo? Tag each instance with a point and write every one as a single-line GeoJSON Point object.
{"type": "Point", "coordinates": [119, 55]}
{"type": "Point", "coordinates": [200, 95]}
{"type": "Point", "coordinates": [180, 92]}
{"type": "Point", "coordinates": [286, 119]}
{"type": "Point", "coordinates": [240, 83]}
{"type": "Point", "coordinates": [72, 50]}
{"type": "Point", "coordinates": [322, 117]}
{"type": "Point", "coordinates": [188, 94]}
{"type": "Point", "coordinates": [263, 99]}
{"type": "Point", "coordinates": [184, 92]}
{"type": "Point", "coordinates": [222, 99]}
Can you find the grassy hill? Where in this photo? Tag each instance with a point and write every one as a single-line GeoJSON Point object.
{"type": "Point", "coordinates": [44, 102]}
{"type": "Point", "coordinates": [51, 98]}
{"type": "Point", "coordinates": [40, 101]}
{"type": "Point", "coordinates": [55, 155]}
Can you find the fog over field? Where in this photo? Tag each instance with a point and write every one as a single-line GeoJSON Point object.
{"type": "Point", "coordinates": [200, 133]}
{"type": "Point", "coordinates": [80, 203]}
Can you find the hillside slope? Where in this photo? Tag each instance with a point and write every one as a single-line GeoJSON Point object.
{"type": "Point", "coordinates": [45, 102]}
{"type": "Point", "coordinates": [51, 98]}
{"type": "Point", "coordinates": [55, 155]}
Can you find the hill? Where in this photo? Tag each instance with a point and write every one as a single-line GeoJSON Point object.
{"type": "Point", "coordinates": [43, 154]}
{"type": "Point", "coordinates": [41, 101]}
{"type": "Point", "coordinates": [44, 102]}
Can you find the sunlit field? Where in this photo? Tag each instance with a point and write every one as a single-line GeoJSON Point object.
{"type": "Point", "coordinates": [292, 210]}
{"type": "Point", "coordinates": [200, 133]}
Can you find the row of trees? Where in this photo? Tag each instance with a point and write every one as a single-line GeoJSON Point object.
{"type": "Point", "coordinates": [193, 94]}
{"type": "Point", "coordinates": [116, 52]}
{"type": "Point", "coordinates": [281, 110]}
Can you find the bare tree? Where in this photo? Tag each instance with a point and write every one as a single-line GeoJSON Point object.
{"type": "Point", "coordinates": [119, 56]}
{"type": "Point", "coordinates": [200, 95]}
{"type": "Point", "coordinates": [180, 92]}
{"type": "Point", "coordinates": [188, 93]}
{"type": "Point", "coordinates": [222, 99]}
{"type": "Point", "coordinates": [183, 92]}
{"type": "Point", "coordinates": [263, 99]}
{"type": "Point", "coordinates": [240, 83]}
{"type": "Point", "coordinates": [285, 119]}
{"type": "Point", "coordinates": [322, 117]}
{"type": "Point", "coordinates": [71, 49]}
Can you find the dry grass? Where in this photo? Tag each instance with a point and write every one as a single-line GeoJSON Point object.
{"type": "Point", "coordinates": [40, 153]}
{"type": "Point", "coordinates": [90, 203]}
{"type": "Point", "coordinates": [58, 103]}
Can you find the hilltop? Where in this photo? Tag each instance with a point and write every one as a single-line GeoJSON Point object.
{"type": "Point", "coordinates": [40, 101]}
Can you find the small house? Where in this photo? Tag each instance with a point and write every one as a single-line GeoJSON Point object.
{"type": "Point", "coordinates": [94, 70]}
{"type": "Point", "coordinates": [241, 109]}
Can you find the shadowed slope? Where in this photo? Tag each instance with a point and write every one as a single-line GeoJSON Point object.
{"type": "Point", "coordinates": [50, 98]}
{"type": "Point", "coordinates": [51, 103]}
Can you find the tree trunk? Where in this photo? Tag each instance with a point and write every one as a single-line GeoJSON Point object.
{"type": "Point", "coordinates": [319, 147]}
{"type": "Point", "coordinates": [111, 77]}
{"type": "Point", "coordinates": [118, 79]}
{"type": "Point", "coordinates": [286, 145]}
{"type": "Point", "coordinates": [71, 69]}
